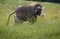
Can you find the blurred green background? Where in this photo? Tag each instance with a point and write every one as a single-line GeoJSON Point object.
{"type": "Point", "coordinates": [46, 27]}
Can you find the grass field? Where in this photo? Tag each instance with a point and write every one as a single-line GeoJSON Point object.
{"type": "Point", "coordinates": [47, 27]}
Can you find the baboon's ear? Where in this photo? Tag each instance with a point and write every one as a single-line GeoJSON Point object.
{"type": "Point", "coordinates": [36, 11]}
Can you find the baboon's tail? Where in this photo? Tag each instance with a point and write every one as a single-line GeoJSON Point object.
{"type": "Point", "coordinates": [13, 12]}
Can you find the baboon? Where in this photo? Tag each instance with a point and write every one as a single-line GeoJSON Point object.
{"type": "Point", "coordinates": [27, 12]}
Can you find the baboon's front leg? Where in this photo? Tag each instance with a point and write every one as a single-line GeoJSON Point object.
{"type": "Point", "coordinates": [32, 19]}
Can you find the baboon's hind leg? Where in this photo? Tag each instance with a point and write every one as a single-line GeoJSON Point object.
{"type": "Point", "coordinates": [17, 20]}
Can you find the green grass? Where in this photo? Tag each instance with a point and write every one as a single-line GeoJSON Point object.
{"type": "Point", "coordinates": [47, 27]}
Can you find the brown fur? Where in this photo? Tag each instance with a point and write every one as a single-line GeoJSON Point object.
{"type": "Point", "coordinates": [28, 12]}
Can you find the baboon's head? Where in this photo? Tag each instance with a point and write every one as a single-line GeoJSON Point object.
{"type": "Point", "coordinates": [38, 9]}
